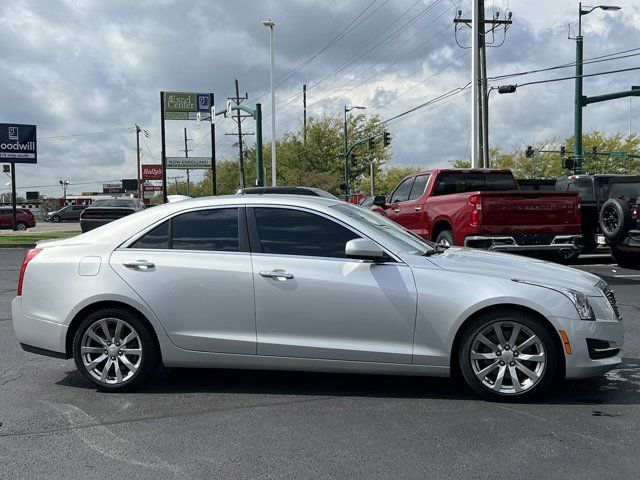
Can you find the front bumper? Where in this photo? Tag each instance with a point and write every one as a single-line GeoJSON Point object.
{"type": "Point", "coordinates": [524, 242]}
{"type": "Point", "coordinates": [583, 361]}
{"type": "Point", "coordinates": [37, 333]}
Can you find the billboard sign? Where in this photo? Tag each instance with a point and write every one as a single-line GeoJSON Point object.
{"type": "Point", "coordinates": [152, 172]}
{"type": "Point", "coordinates": [186, 102]}
{"type": "Point", "coordinates": [112, 188]}
{"type": "Point", "coordinates": [189, 162]}
{"type": "Point", "coordinates": [129, 184]}
{"type": "Point", "coordinates": [18, 143]}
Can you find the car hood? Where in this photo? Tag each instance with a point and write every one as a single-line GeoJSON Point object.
{"type": "Point", "coordinates": [515, 267]}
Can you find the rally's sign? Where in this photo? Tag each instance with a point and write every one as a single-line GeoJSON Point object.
{"type": "Point", "coordinates": [152, 172]}
{"type": "Point", "coordinates": [18, 143]}
{"type": "Point", "coordinates": [188, 162]}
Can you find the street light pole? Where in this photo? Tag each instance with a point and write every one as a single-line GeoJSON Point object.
{"type": "Point", "coordinates": [346, 150]}
{"type": "Point", "coordinates": [271, 24]}
{"type": "Point", "coordinates": [579, 103]}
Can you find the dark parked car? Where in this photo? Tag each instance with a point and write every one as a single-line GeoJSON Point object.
{"type": "Point", "coordinates": [105, 211]}
{"type": "Point", "coordinates": [24, 218]}
{"type": "Point", "coordinates": [595, 191]}
{"type": "Point", "coordinates": [309, 191]}
{"type": "Point", "coordinates": [68, 213]}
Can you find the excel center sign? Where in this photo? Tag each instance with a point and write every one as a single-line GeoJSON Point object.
{"type": "Point", "coordinates": [186, 106]}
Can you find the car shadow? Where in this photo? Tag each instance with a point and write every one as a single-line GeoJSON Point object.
{"type": "Point", "coordinates": [621, 386]}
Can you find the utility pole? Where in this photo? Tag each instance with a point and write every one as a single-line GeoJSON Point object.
{"type": "Point", "coordinates": [138, 158]}
{"type": "Point", "coordinates": [479, 88]}
{"type": "Point", "coordinates": [239, 118]}
{"type": "Point", "coordinates": [304, 112]}
{"type": "Point", "coordinates": [186, 154]}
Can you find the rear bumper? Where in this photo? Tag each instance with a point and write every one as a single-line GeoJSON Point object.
{"type": "Point", "coordinates": [90, 224]}
{"type": "Point", "coordinates": [508, 243]}
{"type": "Point", "coordinates": [37, 334]}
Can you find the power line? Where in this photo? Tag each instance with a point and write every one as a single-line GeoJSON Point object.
{"type": "Point", "coordinates": [81, 135]}
{"type": "Point", "coordinates": [580, 76]}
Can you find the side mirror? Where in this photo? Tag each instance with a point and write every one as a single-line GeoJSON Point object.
{"type": "Point", "coordinates": [364, 249]}
{"type": "Point", "coordinates": [380, 201]}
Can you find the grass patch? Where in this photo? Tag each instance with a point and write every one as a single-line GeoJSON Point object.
{"type": "Point", "coordinates": [29, 238]}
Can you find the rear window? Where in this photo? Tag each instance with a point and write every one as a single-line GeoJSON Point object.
{"type": "Point", "coordinates": [625, 191]}
{"type": "Point", "coordinates": [449, 183]}
{"type": "Point", "coordinates": [584, 187]}
{"type": "Point", "coordinates": [114, 203]}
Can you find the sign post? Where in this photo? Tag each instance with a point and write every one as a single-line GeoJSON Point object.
{"type": "Point", "coordinates": [18, 144]}
{"type": "Point", "coordinates": [164, 149]}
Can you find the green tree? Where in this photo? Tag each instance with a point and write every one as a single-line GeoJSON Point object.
{"type": "Point", "coordinates": [385, 180]}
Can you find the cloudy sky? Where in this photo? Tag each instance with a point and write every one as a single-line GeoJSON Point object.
{"type": "Point", "coordinates": [86, 71]}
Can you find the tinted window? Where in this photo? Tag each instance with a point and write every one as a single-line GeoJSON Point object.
{"type": "Point", "coordinates": [448, 183]}
{"type": "Point", "coordinates": [401, 193]}
{"type": "Point", "coordinates": [293, 232]}
{"type": "Point", "coordinates": [206, 230]}
{"type": "Point", "coordinates": [156, 238]}
{"type": "Point", "coordinates": [114, 203]}
{"type": "Point", "coordinates": [418, 187]}
{"type": "Point", "coordinates": [584, 187]}
{"type": "Point", "coordinates": [624, 191]}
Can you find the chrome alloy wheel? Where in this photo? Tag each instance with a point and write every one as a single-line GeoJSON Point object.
{"type": "Point", "coordinates": [111, 350]}
{"type": "Point", "coordinates": [507, 357]}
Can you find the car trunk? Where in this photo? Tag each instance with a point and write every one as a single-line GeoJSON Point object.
{"type": "Point", "coordinates": [106, 213]}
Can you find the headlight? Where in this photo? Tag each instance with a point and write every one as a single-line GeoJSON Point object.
{"type": "Point", "coordinates": [579, 299]}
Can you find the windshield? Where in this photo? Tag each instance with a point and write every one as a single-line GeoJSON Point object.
{"type": "Point", "coordinates": [406, 240]}
{"type": "Point", "coordinates": [113, 203]}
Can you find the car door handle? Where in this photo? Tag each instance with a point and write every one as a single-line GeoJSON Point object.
{"type": "Point", "coordinates": [277, 274]}
{"type": "Point", "coordinates": [139, 265]}
{"type": "Point", "coordinates": [396, 210]}
{"type": "Point", "coordinates": [417, 208]}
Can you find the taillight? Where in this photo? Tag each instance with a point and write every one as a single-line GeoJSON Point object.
{"type": "Point", "coordinates": [27, 258]}
{"type": "Point", "coordinates": [476, 214]}
{"type": "Point", "coordinates": [635, 212]}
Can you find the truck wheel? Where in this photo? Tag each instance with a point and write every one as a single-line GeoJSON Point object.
{"type": "Point", "coordinates": [625, 259]}
{"type": "Point", "coordinates": [615, 217]}
{"type": "Point", "coordinates": [445, 238]}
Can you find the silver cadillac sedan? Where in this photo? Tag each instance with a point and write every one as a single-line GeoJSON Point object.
{"type": "Point", "coordinates": [307, 283]}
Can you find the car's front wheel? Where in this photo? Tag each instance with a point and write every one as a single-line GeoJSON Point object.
{"type": "Point", "coordinates": [508, 356]}
{"type": "Point", "coordinates": [55, 219]}
{"type": "Point", "coordinates": [115, 350]}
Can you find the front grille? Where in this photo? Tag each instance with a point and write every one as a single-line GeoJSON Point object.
{"type": "Point", "coordinates": [599, 349]}
{"type": "Point", "coordinates": [612, 300]}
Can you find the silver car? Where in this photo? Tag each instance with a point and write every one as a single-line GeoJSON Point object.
{"type": "Point", "coordinates": [305, 283]}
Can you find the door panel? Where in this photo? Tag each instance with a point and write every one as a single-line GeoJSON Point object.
{"type": "Point", "coordinates": [334, 309]}
{"type": "Point", "coordinates": [204, 300]}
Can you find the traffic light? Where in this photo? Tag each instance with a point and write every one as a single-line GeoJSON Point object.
{"type": "Point", "coordinates": [594, 151]}
{"type": "Point", "coordinates": [386, 139]}
{"type": "Point", "coordinates": [529, 152]}
{"type": "Point", "coordinates": [372, 143]}
{"type": "Point", "coordinates": [352, 159]}
{"type": "Point", "coordinates": [563, 151]}
{"type": "Point", "coordinates": [568, 163]}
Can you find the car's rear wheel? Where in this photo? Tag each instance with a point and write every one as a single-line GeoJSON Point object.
{"type": "Point", "coordinates": [625, 259]}
{"type": "Point", "coordinates": [508, 356]}
{"type": "Point", "coordinates": [446, 239]}
{"type": "Point", "coordinates": [21, 226]}
{"type": "Point", "coordinates": [115, 350]}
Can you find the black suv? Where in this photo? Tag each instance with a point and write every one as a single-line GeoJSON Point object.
{"type": "Point", "coordinates": [595, 191]}
{"type": "Point", "coordinates": [620, 227]}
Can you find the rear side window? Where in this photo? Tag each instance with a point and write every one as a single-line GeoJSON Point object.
{"type": "Point", "coordinates": [206, 230]}
{"type": "Point", "coordinates": [156, 238]}
{"type": "Point", "coordinates": [213, 230]}
{"type": "Point", "coordinates": [294, 232]}
{"type": "Point", "coordinates": [417, 190]}
{"type": "Point", "coordinates": [401, 194]}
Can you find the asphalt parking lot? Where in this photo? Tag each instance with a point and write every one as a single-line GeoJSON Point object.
{"type": "Point", "coordinates": [245, 424]}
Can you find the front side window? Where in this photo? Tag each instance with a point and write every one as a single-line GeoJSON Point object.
{"type": "Point", "coordinates": [294, 232]}
{"type": "Point", "coordinates": [206, 230]}
{"type": "Point", "coordinates": [418, 187]}
{"type": "Point", "coordinates": [401, 194]}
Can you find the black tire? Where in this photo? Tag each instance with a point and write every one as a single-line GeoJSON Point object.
{"type": "Point", "coordinates": [615, 219]}
{"type": "Point", "coordinates": [146, 364]}
{"type": "Point", "coordinates": [446, 239]}
{"type": "Point", "coordinates": [56, 219]}
{"type": "Point", "coordinates": [21, 226]}
{"type": "Point", "coordinates": [625, 259]}
{"type": "Point", "coordinates": [546, 375]}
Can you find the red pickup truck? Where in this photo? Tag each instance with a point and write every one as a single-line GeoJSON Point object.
{"type": "Point", "coordinates": [484, 209]}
